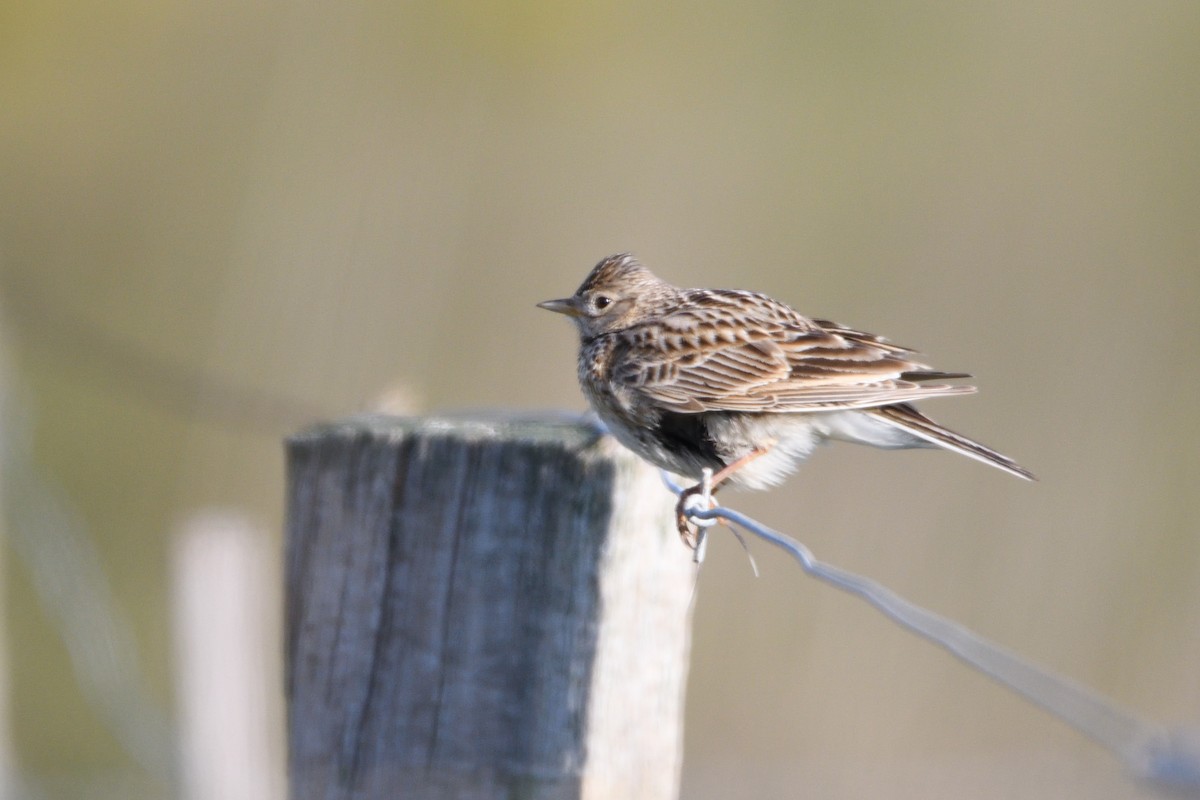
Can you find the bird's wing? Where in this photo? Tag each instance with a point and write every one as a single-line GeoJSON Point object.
{"type": "Point", "coordinates": [741, 351]}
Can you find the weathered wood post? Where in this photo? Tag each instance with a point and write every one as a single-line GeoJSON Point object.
{"type": "Point", "coordinates": [481, 607]}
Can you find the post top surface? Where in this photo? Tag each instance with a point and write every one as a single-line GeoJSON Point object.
{"type": "Point", "coordinates": [560, 427]}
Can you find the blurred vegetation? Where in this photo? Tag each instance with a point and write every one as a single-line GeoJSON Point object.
{"type": "Point", "coordinates": [222, 220]}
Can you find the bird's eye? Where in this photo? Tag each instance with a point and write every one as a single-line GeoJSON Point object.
{"type": "Point", "coordinates": [602, 302]}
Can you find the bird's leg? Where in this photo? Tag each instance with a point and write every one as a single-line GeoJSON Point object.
{"type": "Point", "coordinates": [727, 472]}
{"type": "Point", "coordinates": [690, 537]}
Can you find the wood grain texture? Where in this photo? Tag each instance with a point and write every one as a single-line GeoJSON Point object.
{"type": "Point", "coordinates": [481, 607]}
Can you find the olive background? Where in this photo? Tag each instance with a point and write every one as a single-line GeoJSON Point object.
{"type": "Point", "coordinates": [220, 221]}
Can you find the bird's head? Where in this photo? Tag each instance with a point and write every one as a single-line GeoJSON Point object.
{"type": "Point", "coordinates": [617, 294]}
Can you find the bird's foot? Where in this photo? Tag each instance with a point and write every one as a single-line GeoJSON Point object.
{"type": "Point", "coordinates": [698, 497]}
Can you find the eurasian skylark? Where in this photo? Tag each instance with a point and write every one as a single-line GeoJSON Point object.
{"type": "Point", "coordinates": [741, 383]}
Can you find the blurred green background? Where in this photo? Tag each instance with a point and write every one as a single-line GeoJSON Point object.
{"type": "Point", "coordinates": [222, 220]}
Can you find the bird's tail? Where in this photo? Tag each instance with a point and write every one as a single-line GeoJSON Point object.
{"type": "Point", "coordinates": [905, 417]}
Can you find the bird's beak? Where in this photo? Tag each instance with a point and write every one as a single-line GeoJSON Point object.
{"type": "Point", "coordinates": [566, 306]}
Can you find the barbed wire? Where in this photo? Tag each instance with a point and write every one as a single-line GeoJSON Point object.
{"type": "Point", "coordinates": [1152, 752]}
{"type": "Point", "coordinates": [195, 394]}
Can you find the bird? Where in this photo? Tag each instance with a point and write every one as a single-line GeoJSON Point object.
{"type": "Point", "coordinates": [742, 384]}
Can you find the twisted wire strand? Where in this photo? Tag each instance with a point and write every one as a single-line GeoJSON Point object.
{"type": "Point", "coordinates": [1149, 750]}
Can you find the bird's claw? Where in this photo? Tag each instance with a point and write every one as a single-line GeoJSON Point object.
{"type": "Point", "coordinates": [698, 497]}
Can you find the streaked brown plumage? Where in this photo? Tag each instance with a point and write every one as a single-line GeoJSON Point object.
{"type": "Point", "coordinates": [694, 378]}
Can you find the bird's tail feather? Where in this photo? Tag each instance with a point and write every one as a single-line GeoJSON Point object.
{"type": "Point", "coordinates": [904, 416]}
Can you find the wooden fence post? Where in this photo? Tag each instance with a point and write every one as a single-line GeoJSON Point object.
{"type": "Point", "coordinates": [481, 607]}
